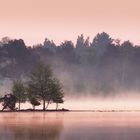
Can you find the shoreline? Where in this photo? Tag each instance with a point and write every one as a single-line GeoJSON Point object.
{"type": "Point", "coordinates": [37, 110]}
{"type": "Point", "coordinates": [67, 110]}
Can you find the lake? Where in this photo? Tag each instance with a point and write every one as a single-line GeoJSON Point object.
{"type": "Point", "coordinates": [70, 126]}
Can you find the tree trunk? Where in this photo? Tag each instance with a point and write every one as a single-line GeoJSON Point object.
{"type": "Point", "coordinates": [47, 104]}
{"type": "Point", "coordinates": [44, 104]}
{"type": "Point", "coordinates": [56, 106]}
{"type": "Point", "coordinates": [4, 107]}
{"type": "Point", "coordinates": [33, 107]}
{"type": "Point", "coordinates": [19, 105]}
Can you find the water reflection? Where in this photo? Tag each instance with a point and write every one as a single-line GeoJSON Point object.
{"type": "Point", "coordinates": [70, 126]}
{"type": "Point", "coordinates": [103, 126]}
{"type": "Point", "coordinates": [36, 126]}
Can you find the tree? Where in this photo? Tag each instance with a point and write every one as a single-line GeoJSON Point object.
{"type": "Point", "coordinates": [56, 92]}
{"type": "Point", "coordinates": [43, 86]}
{"type": "Point", "coordinates": [66, 51]}
{"type": "Point", "coordinates": [8, 101]}
{"type": "Point", "coordinates": [41, 83]}
{"type": "Point", "coordinates": [34, 102]}
{"type": "Point", "coordinates": [81, 42]}
{"type": "Point", "coordinates": [5, 40]}
{"type": "Point", "coordinates": [50, 45]}
{"type": "Point", "coordinates": [18, 90]}
{"type": "Point", "coordinates": [126, 49]}
{"type": "Point", "coordinates": [87, 43]}
{"type": "Point", "coordinates": [101, 39]}
{"type": "Point", "coordinates": [32, 99]}
{"type": "Point", "coordinates": [101, 42]}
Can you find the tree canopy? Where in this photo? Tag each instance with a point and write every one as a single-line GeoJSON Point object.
{"type": "Point", "coordinates": [41, 83]}
{"type": "Point", "coordinates": [18, 91]}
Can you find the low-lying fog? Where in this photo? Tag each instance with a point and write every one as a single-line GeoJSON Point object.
{"type": "Point", "coordinates": [127, 100]}
{"type": "Point", "coordinates": [95, 103]}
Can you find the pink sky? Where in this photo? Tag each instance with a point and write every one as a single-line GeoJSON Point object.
{"type": "Point", "coordinates": [33, 20]}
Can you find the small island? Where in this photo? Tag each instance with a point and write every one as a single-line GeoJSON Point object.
{"type": "Point", "coordinates": [41, 87]}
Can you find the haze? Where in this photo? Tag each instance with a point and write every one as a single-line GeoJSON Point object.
{"type": "Point", "coordinates": [33, 20]}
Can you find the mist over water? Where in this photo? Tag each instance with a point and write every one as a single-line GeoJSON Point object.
{"type": "Point", "coordinates": [70, 126]}
{"type": "Point", "coordinates": [102, 104]}
{"type": "Point", "coordinates": [86, 100]}
{"type": "Point", "coordinates": [94, 104]}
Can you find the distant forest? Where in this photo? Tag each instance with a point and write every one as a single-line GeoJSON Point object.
{"type": "Point", "coordinates": [103, 66]}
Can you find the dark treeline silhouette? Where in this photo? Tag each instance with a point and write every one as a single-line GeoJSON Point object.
{"type": "Point", "coordinates": [102, 66]}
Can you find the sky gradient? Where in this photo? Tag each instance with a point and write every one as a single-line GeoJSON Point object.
{"type": "Point", "coordinates": [60, 20]}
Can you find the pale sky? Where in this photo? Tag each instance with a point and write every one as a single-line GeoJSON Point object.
{"type": "Point", "coordinates": [60, 20]}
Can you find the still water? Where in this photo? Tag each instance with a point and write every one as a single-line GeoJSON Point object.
{"type": "Point", "coordinates": [70, 126]}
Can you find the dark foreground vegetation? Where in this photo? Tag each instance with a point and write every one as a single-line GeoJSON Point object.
{"type": "Point", "coordinates": [99, 67]}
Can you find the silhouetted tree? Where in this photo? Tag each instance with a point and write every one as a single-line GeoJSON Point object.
{"type": "Point", "coordinates": [50, 45]}
{"type": "Point", "coordinates": [100, 42]}
{"type": "Point", "coordinates": [67, 45]}
{"type": "Point", "coordinates": [126, 53]}
{"type": "Point", "coordinates": [8, 101]}
{"type": "Point", "coordinates": [5, 40]}
{"type": "Point", "coordinates": [102, 39]}
{"type": "Point", "coordinates": [18, 91]}
{"type": "Point", "coordinates": [56, 92]}
{"type": "Point", "coordinates": [127, 44]}
{"type": "Point", "coordinates": [40, 84]}
{"type": "Point", "coordinates": [87, 43]}
{"type": "Point", "coordinates": [66, 51]}
{"type": "Point", "coordinates": [80, 41]}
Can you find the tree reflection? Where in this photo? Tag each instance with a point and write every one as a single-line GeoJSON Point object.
{"type": "Point", "coordinates": [34, 127]}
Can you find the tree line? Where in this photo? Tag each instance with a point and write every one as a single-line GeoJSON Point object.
{"type": "Point", "coordinates": [101, 66]}
{"type": "Point", "coordinates": [41, 86]}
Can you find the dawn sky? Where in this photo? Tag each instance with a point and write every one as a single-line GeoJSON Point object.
{"type": "Point", "coordinates": [60, 20]}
